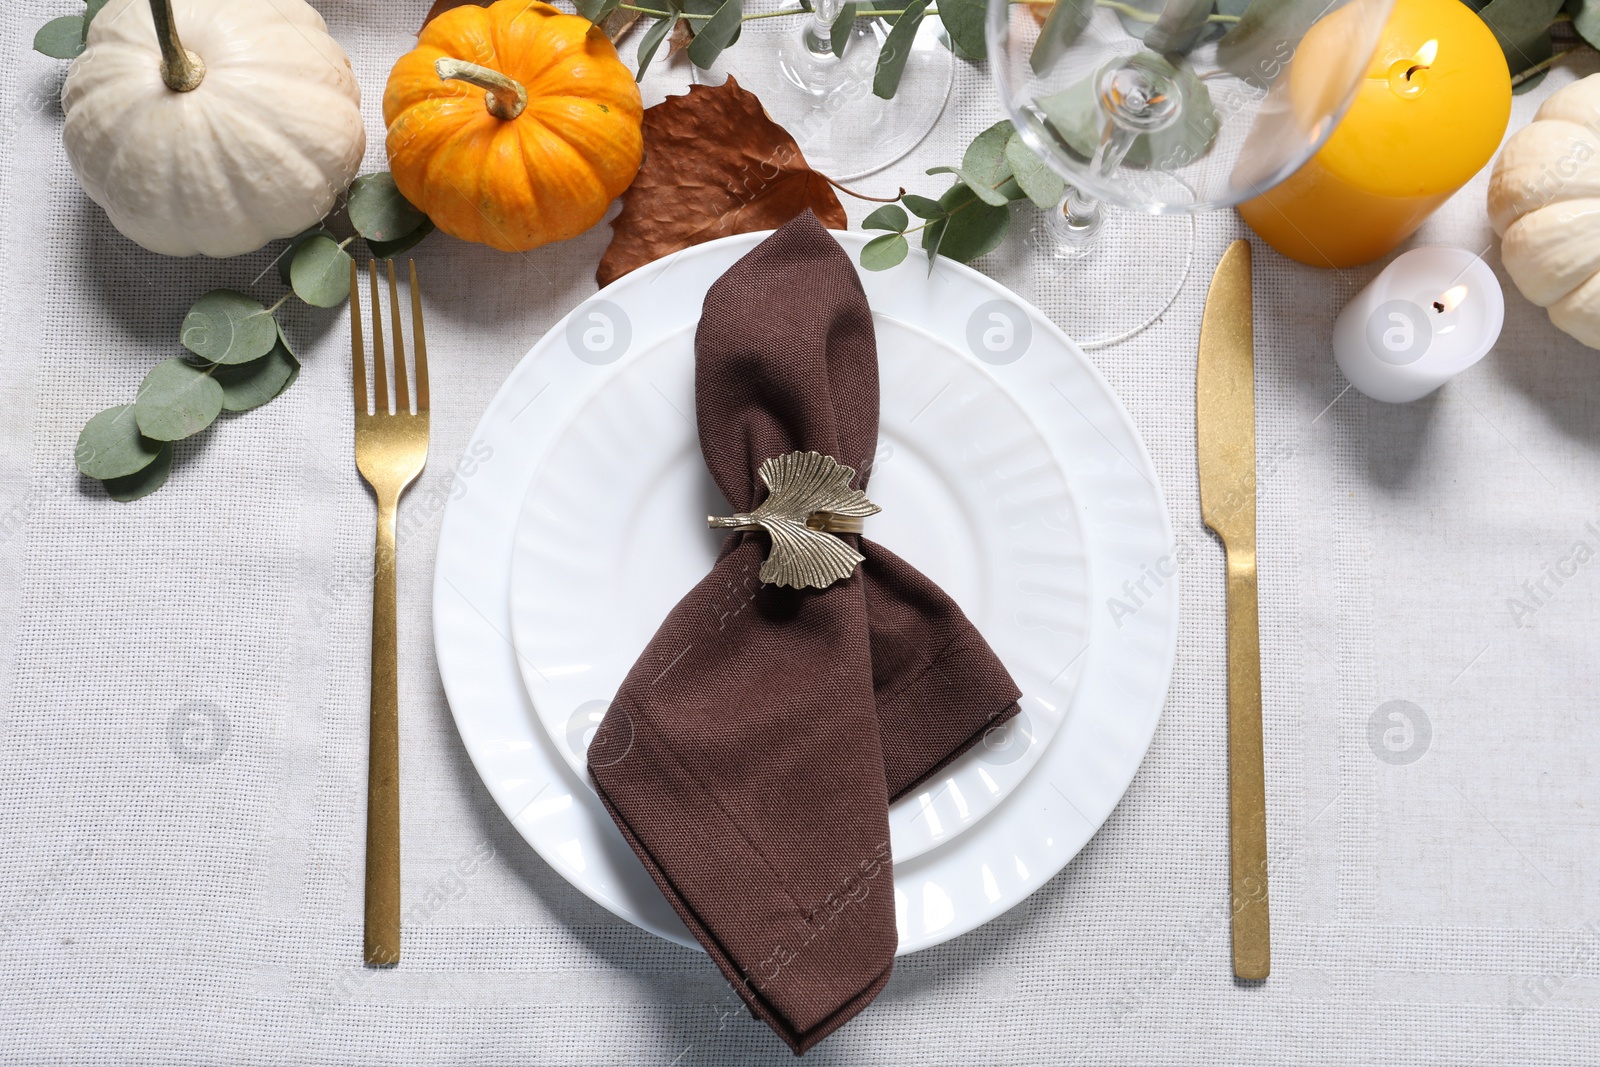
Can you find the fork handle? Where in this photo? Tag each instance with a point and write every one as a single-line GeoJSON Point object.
{"type": "Point", "coordinates": [383, 756]}
{"type": "Point", "coordinates": [1247, 793]}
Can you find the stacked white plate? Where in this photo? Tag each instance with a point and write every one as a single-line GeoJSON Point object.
{"type": "Point", "coordinates": [1007, 471]}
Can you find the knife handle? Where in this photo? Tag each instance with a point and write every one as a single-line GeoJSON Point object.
{"type": "Point", "coordinates": [1247, 787]}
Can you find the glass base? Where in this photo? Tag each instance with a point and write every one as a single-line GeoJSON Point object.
{"type": "Point", "coordinates": [826, 102]}
{"type": "Point", "coordinates": [1116, 281]}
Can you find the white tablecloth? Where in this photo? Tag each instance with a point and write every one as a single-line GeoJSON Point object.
{"type": "Point", "coordinates": [182, 747]}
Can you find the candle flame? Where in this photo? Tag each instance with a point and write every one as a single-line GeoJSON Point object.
{"type": "Point", "coordinates": [1450, 300]}
{"type": "Point", "coordinates": [1408, 78]}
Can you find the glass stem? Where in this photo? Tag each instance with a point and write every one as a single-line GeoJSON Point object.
{"type": "Point", "coordinates": [1078, 219]}
{"type": "Point", "coordinates": [818, 32]}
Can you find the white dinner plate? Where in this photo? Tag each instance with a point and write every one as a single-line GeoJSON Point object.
{"type": "Point", "coordinates": [613, 534]}
{"type": "Point", "coordinates": [1110, 670]}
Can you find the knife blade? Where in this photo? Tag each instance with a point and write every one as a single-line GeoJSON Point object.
{"type": "Point", "coordinates": [1225, 438]}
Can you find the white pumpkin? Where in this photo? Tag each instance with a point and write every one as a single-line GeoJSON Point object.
{"type": "Point", "coordinates": [247, 130]}
{"type": "Point", "coordinates": [1544, 202]}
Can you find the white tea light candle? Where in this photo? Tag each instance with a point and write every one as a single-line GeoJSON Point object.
{"type": "Point", "coordinates": [1427, 317]}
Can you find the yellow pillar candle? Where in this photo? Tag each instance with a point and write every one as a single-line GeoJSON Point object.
{"type": "Point", "coordinates": [1428, 115]}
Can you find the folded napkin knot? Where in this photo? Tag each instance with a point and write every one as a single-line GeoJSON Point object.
{"type": "Point", "coordinates": [809, 499]}
{"type": "Point", "coordinates": [750, 756]}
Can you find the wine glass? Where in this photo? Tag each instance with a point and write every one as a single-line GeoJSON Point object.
{"type": "Point", "coordinates": [825, 97]}
{"type": "Point", "coordinates": [1165, 108]}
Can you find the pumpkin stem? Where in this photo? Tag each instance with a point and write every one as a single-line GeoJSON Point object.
{"type": "Point", "coordinates": [181, 69]}
{"type": "Point", "coordinates": [505, 97]}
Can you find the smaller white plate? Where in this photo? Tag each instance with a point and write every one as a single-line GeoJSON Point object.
{"type": "Point", "coordinates": [613, 534]}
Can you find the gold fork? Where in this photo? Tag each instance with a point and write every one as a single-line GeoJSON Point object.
{"type": "Point", "coordinates": [391, 447]}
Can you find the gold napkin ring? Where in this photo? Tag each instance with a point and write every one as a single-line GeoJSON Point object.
{"type": "Point", "coordinates": [809, 500]}
{"type": "Point", "coordinates": [826, 521]}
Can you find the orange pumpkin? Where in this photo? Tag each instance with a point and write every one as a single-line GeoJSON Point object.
{"type": "Point", "coordinates": [513, 125]}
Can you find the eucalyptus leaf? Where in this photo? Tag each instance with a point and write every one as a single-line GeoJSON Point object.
{"type": "Point", "coordinates": [887, 217]}
{"type": "Point", "coordinates": [1041, 184]}
{"type": "Point", "coordinates": [1067, 20]}
{"type": "Point", "coordinates": [1180, 26]}
{"type": "Point", "coordinates": [711, 7]}
{"type": "Point", "coordinates": [287, 259]}
{"type": "Point", "coordinates": [1190, 137]}
{"type": "Point", "coordinates": [1259, 46]}
{"type": "Point", "coordinates": [390, 249]}
{"type": "Point", "coordinates": [320, 274]}
{"type": "Point", "coordinates": [176, 400]}
{"type": "Point", "coordinates": [294, 373]}
{"type": "Point", "coordinates": [143, 482]}
{"type": "Point", "coordinates": [249, 385]}
{"type": "Point", "coordinates": [1522, 28]}
{"type": "Point", "coordinates": [921, 206]}
{"type": "Point", "coordinates": [897, 49]}
{"type": "Point", "coordinates": [985, 191]}
{"type": "Point", "coordinates": [1010, 191]}
{"type": "Point", "coordinates": [964, 21]}
{"type": "Point", "coordinates": [1586, 20]}
{"type": "Point", "coordinates": [229, 327]}
{"type": "Point", "coordinates": [1135, 22]}
{"type": "Point", "coordinates": [970, 227]}
{"type": "Point", "coordinates": [989, 194]}
{"type": "Point", "coordinates": [378, 211]}
{"type": "Point", "coordinates": [716, 33]}
{"type": "Point", "coordinates": [92, 8]}
{"type": "Point", "coordinates": [110, 445]}
{"type": "Point", "coordinates": [984, 163]}
{"type": "Point", "coordinates": [596, 10]}
{"type": "Point", "coordinates": [61, 38]}
{"type": "Point", "coordinates": [1076, 115]}
{"type": "Point", "coordinates": [1210, 31]}
{"type": "Point", "coordinates": [843, 26]}
{"type": "Point", "coordinates": [884, 252]}
{"type": "Point", "coordinates": [652, 40]}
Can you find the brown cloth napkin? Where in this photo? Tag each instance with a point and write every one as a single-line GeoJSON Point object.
{"type": "Point", "coordinates": [752, 752]}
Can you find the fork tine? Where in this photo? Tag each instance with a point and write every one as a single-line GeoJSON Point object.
{"type": "Point", "coordinates": [380, 362]}
{"type": "Point", "coordinates": [402, 399]}
{"type": "Point", "coordinates": [358, 356]}
{"type": "Point", "coordinates": [418, 344]}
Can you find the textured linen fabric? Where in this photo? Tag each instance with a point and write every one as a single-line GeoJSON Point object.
{"type": "Point", "coordinates": [751, 753]}
{"type": "Point", "coordinates": [183, 687]}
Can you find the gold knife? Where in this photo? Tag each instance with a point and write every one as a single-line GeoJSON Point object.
{"type": "Point", "coordinates": [1225, 435]}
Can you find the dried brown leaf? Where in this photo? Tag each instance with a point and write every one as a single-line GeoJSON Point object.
{"type": "Point", "coordinates": [681, 37]}
{"type": "Point", "coordinates": [441, 6]}
{"type": "Point", "coordinates": [714, 165]}
{"type": "Point", "coordinates": [618, 23]}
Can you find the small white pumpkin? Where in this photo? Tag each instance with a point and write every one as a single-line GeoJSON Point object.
{"type": "Point", "coordinates": [246, 130]}
{"type": "Point", "coordinates": [1544, 202]}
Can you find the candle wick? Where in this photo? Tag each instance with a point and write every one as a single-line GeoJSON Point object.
{"type": "Point", "coordinates": [1439, 307]}
{"type": "Point", "coordinates": [1412, 70]}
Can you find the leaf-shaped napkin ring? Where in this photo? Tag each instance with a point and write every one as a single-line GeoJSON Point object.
{"type": "Point", "coordinates": [809, 500]}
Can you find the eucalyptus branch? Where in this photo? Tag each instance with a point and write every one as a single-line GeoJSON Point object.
{"type": "Point", "coordinates": [1129, 10]}
{"type": "Point", "coordinates": [1139, 15]}
{"type": "Point", "coordinates": [1543, 65]}
{"type": "Point", "coordinates": [787, 13]}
